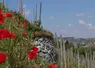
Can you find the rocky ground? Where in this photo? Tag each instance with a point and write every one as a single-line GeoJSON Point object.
{"type": "Point", "coordinates": [46, 49]}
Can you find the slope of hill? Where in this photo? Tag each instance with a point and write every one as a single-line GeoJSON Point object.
{"type": "Point", "coordinates": [72, 39]}
{"type": "Point", "coordinates": [20, 38]}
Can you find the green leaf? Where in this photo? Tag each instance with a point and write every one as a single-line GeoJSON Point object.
{"type": "Point", "coordinates": [3, 49]}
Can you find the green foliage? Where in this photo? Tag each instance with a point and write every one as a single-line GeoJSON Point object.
{"type": "Point", "coordinates": [76, 65]}
{"type": "Point", "coordinates": [19, 47]}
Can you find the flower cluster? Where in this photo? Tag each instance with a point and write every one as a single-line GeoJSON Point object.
{"type": "Point", "coordinates": [8, 14]}
{"type": "Point", "coordinates": [52, 66]}
{"type": "Point", "coordinates": [1, 18]}
{"type": "Point", "coordinates": [4, 33]}
{"type": "Point", "coordinates": [2, 57]}
{"type": "Point", "coordinates": [33, 53]}
{"type": "Point", "coordinates": [25, 24]}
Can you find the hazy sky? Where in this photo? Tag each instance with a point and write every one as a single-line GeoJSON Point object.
{"type": "Point", "coordinates": [68, 17]}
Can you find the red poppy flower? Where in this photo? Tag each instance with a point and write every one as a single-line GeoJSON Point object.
{"type": "Point", "coordinates": [40, 66]}
{"type": "Point", "coordinates": [2, 57]}
{"type": "Point", "coordinates": [25, 23]}
{"type": "Point", "coordinates": [52, 66]}
{"type": "Point", "coordinates": [8, 14]}
{"type": "Point", "coordinates": [32, 55]}
{"type": "Point", "coordinates": [24, 26]}
{"type": "Point", "coordinates": [4, 33]}
{"type": "Point", "coordinates": [18, 22]}
{"type": "Point", "coordinates": [12, 35]}
{"type": "Point", "coordinates": [34, 49]}
{"type": "Point", "coordinates": [0, 11]}
{"type": "Point", "coordinates": [24, 33]}
{"type": "Point", "coordinates": [1, 19]}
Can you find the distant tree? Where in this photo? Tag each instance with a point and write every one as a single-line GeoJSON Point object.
{"type": "Point", "coordinates": [68, 45]}
{"type": "Point", "coordinates": [90, 44]}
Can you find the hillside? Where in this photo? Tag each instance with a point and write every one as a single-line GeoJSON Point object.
{"type": "Point", "coordinates": [17, 38]}
{"type": "Point", "coordinates": [72, 39]}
